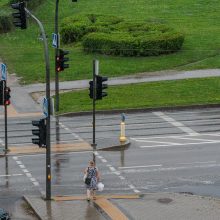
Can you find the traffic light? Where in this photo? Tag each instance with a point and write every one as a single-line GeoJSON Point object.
{"type": "Point", "coordinates": [40, 132]}
{"type": "Point", "coordinates": [100, 86]}
{"type": "Point", "coordinates": [91, 89]}
{"type": "Point", "coordinates": [2, 92]}
{"type": "Point", "coordinates": [61, 59]}
{"type": "Point", "coordinates": [20, 16]}
{"type": "Point", "coordinates": [7, 96]}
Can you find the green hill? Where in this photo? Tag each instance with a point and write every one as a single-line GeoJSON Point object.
{"type": "Point", "coordinates": [22, 51]}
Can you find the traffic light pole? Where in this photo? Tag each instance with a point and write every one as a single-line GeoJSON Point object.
{"type": "Point", "coordinates": [6, 125]}
{"type": "Point", "coordinates": [56, 54]}
{"type": "Point", "coordinates": [95, 72]}
{"type": "Point", "coordinates": [48, 150]}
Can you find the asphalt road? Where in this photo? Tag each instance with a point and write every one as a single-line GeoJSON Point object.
{"type": "Point", "coordinates": [170, 151]}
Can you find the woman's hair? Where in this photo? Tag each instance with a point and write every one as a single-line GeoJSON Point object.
{"type": "Point", "coordinates": [91, 162]}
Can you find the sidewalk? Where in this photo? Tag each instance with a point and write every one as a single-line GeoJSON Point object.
{"type": "Point", "coordinates": [137, 78]}
{"type": "Point", "coordinates": [152, 206]}
{"type": "Point", "coordinates": [21, 95]}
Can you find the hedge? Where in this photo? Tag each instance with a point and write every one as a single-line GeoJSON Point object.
{"type": "Point", "coordinates": [112, 36]}
{"type": "Point", "coordinates": [75, 27]}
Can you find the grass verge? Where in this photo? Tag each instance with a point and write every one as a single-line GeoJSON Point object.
{"type": "Point", "coordinates": [146, 95]}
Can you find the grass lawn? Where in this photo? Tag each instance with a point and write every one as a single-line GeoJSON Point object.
{"type": "Point", "coordinates": [144, 95]}
{"type": "Point", "coordinates": [199, 20]}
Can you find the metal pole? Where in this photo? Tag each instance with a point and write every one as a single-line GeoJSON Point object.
{"type": "Point", "coordinates": [48, 150]}
{"type": "Point", "coordinates": [56, 54]}
{"type": "Point", "coordinates": [95, 72]}
{"type": "Point", "coordinates": [6, 123]}
{"type": "Point", "coordinates": [6, 130]}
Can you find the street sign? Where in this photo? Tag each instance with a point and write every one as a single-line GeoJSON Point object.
{"type": "Point", "coordinates": [45, 107]}
{"type": "Point", "coordinates": [55, 43]}
{"type": "Point", "coordinates": [4, 71]}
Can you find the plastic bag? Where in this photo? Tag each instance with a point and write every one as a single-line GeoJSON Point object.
{"type": "Point", "coordinates": [84, 178]}
{"type": "Point", "coordinates": [100, 186]}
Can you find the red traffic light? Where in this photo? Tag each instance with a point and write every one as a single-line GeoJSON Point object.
{"type": "Point", "coordinates": [7, 96]}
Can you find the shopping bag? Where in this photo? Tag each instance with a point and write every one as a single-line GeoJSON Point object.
{"type": "Point", "coordinates": [100, 186]}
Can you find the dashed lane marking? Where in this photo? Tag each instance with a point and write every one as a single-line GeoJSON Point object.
{"type": "Point", "coordinates": [116, 172]}
{"type": "Point", "coordinates": [68, 129]}
{"type": "Point", "coordinates": [28, 174]}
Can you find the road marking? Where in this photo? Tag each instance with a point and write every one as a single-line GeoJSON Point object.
{"type": "Point", "coordinates": [170, 168]}
{"type": "Point", "coordinates": [114, 171]}
{"type": "Point", "coordinates": [198, 162]}
{"type": "Point", "coordinates": [10, 175]}
{"type": "Point", "coordinates": [179, 144]}
{"type": "Point", "coordinates": [72, 133]}
{"type": "Point", "coordinates": [161, 142]}
{"type": "Point", "coordinates": [28, 174]}
{"type": "Point", "coordinates": [196, 139]}
{"type": "Point", "coordinates": [175, 123]}
{"type": "Point", "coordinates": [132, 167]}
{"type": "Point", "coordinates": [205, 182]}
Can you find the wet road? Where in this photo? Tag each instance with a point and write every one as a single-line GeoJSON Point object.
{"type": "Point", "coordinates": [170, 151]}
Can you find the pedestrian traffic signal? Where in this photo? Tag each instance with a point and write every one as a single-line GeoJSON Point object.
{"type": "Point", "coordinates": [2, 92]}
{"type": "Point", "coordinates": [40, 132]}
{"type": "Point", "coordinates": [7, 96]}
{"type": "Point", "coordinates": [20, 16]}
{"type": "Point", "coordinates": [100, 86]}
{"type": "Point", "coordinates": [61, 59]}
{"type": "Point", "coordinates": [91, 89]}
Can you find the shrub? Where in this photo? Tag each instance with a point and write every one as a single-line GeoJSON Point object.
{"type": "Point", "coordinates": [5, 19]}
{"type": "Point", "coordinates": [112, 36]}
{"type": "Point", "coordinates": [133, 44]}
{"type": "Point", "coordinates": [75, 27]}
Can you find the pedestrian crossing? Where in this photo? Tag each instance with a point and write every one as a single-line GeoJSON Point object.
{"type": "Point", "coordinates": [177, 140]}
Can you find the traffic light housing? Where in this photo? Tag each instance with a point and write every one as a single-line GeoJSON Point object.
{"type": "Point", "coordinates": [61, 59]}
{"type": "Point", "coordinates": [91, 89]}
{"type": "Point", "coordinates": [20, 19]}
{"type": "Point", "coordinates": [100, 86]}
{"type": "Point", "coordinates": [7, 96]}
{"type": "Point", "coordinates": [41, 132]}
{"type": "Point", "coordinates": [2, 92]}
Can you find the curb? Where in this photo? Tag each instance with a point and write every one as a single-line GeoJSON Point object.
{"type": "Point", "coordinates": [32, 207]}
{"type": "Point", "coordinates": [136, 110]}
{"type": "Point", "coordinates": [118, 147]}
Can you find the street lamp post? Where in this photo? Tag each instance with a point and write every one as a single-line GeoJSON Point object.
{"type": "Point", "coordinates": [48, 147]}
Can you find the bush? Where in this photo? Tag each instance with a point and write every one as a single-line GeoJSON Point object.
{"type": "Point", "coordinates": [133, 43]}
{"type": "Point", "coordinates": [5, 23]}
{"type": "Point", "coordinates": [112, 36]}
{"type": "Point", "coordinates": [75, 27]}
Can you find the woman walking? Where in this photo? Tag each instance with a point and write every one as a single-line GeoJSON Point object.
{"type": "Point", "coordinates": [93, 176]}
